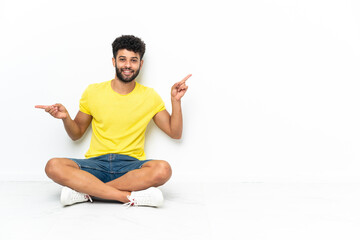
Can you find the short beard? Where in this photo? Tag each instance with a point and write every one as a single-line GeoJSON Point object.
{"type": "Point", "coordinates": [126, 80]}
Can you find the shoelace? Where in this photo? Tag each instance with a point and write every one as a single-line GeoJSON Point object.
{"type": "Point", "coordinates": [138, 200]}
{"type": "Point", "coordinates": [132, 202]}
{"type": "Point", "coordinates": [88, 197]}
{"type": "Point", "coordinates": [80, 196]}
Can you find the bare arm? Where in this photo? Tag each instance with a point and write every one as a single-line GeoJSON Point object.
{"type": "Point", "coordinates": [173, 125]}
{"type": "Point", "coordinates": [77, 127]}
{"type": "Point", "coordinates": [74, 128]}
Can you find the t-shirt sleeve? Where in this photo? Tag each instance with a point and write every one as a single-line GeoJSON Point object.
{"type": "Point", "coordinates": [84, 102]}
{"type": "Point", "coordinates": [159, 103]}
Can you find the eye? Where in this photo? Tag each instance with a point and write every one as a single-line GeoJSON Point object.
{"type": "Point", "coordinates": [121, 59]}
{"type": "Point", "coordinates": [134, 60]}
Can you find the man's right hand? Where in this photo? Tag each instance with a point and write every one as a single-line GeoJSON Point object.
{"type": "Point", "coordinates": [56, 110]}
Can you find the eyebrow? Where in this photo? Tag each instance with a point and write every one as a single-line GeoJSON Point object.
{"type": "Point", "coordinates": [131, 57]}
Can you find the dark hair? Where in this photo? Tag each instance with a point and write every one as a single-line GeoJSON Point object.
{"type": "Point", "coordinates": [130, 43]}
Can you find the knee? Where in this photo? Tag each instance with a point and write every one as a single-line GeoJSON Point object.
{"type": "Point", "coordinates": [163, 172]}
{"type": "Point", "coordinates": [51, 167]}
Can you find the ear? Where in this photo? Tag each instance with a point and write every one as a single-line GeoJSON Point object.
{"type": "Point", "coordinates": [141, 63]}
{"type": "Point", "coordinates": [114, 63]}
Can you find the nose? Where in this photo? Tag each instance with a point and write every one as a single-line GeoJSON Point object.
{"type": "Point", "coordinates": [127, 64]}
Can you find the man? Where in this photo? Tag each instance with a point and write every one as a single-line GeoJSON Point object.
{"type": "Point", "coordinates": [119, 110]}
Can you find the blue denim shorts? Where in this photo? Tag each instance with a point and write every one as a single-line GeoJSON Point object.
{"type": "Point", "coordinates": [110, 166]}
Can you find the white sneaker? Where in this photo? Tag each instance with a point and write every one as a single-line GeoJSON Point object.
{"type": "Point", "coordinates": [69, 197]}
{"type": "Point", "coordinates": [149, 197]}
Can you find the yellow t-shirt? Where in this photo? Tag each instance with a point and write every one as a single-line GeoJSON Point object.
{"type": "Point", "coordinates": [119, 121]}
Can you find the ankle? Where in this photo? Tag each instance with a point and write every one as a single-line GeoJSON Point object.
{"type": "Point", "coordinates": [123, 196]}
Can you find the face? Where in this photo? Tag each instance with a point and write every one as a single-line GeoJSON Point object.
{"type": "Point", "coordinates": [127, 65]}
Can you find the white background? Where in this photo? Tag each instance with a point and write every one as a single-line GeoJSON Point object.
{"type": "Point", "coordinates": [274, 94]}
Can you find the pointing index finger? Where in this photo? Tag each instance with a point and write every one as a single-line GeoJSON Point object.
{"type": "Point", "coordinates": [186, 78]}
{"type": "Point", "coordinates": [183, 81]}
{"type": "Point", "coordinates": [42, 106]}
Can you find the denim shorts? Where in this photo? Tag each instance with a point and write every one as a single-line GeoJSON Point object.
{"type": "Point", "coordinates": [110, 166]}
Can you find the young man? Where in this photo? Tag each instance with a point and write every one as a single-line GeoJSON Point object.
{"type": "Point", "coordinates": [119, 110]}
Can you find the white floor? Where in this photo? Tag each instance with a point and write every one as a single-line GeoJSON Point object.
{"type": "Point", "coordinates": [31, 210]}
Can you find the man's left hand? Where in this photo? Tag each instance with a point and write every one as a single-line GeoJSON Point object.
{"type": "Point", "coordinates": [179, 89]}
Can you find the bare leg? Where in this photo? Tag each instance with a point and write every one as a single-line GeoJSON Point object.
{"type": "Point", "coordinates": [152, 174]}
{"type": "Point", "coordinates": [67, 173]}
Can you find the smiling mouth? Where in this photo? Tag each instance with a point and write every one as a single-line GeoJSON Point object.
{"type": "Point", "coordinates": [127, 72]}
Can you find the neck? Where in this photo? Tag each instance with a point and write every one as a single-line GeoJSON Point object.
{"type": "Point", "coordinates": [121, 87]}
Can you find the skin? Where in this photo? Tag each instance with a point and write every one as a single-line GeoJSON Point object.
{"type": "Point", "coordinates": [152, 174]}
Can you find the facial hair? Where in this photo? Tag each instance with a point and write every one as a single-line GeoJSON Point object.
{"type": "Point", "coordinates": [126, 79]}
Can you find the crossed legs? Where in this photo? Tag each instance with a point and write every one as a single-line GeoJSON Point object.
{"type": "Point", "coordinates": [67, 173]}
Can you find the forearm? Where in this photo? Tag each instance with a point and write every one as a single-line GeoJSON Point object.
{"type": "Point", "coordinates": [172, 124]}
{"type": "Point", "coordinates": [72, 128]}
{"type": "Point", "coordinates": [176, 120]}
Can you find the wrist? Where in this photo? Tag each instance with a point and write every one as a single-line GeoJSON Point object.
{"type": "Point", "coordinates": [174, 100]}
{"type": "Point", "coordinates": [67, 116]}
